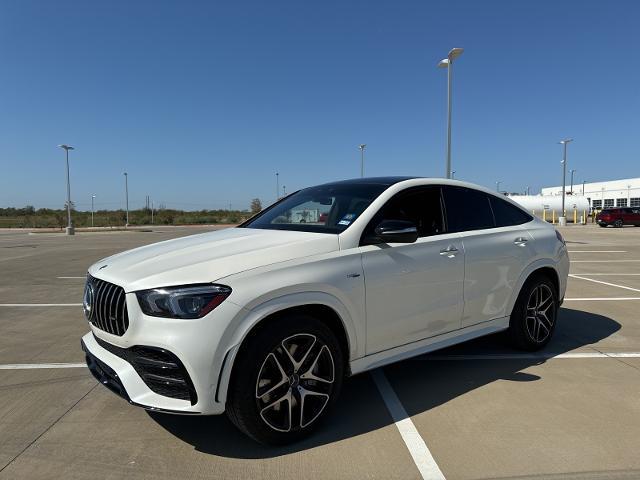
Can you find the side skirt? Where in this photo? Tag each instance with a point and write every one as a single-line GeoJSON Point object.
{"type": "Point", "coordinates": [427, 345]}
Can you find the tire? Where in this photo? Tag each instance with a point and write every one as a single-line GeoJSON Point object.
{"type": "Point", "coordinates": [265, 381]}
{"type": "Point", "coordinates": [530, 328]}
{"type": "Point", "coordinates": [603, 225]}
{"type": "Point", "coordinates": [618, 224]}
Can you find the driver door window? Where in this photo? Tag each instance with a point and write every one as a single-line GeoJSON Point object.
{"type": "Point", "coordinates": [422, 206]}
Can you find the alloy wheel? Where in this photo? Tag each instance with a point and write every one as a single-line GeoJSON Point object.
{"type": "Point", "coordinates": [541, 313]}
{"type": "Point", "coordinates": [295, 383]}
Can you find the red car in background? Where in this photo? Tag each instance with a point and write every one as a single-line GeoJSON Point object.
{"type": "Point", "coordinates": [618, 217]}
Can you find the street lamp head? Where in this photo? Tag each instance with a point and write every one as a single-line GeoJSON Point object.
{"type": "Point", "coordinates": [565, 141]}
{"type": "Point", "coordinates": [93, 196]}
{"type": "Point", "coordinates": [362, 146]}
{"type": "Point", "coordinates": [66, 147]}
{"type": "Point", "coordinates": [125, 174]}
{"type": "Point", "coordinates": [443, 63]}
{"type": "Point", "coordinates": [455, 53]}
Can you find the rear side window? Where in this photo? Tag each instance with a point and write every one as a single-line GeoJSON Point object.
{"type": "Point", "coordinates": [507, 214]}
{"type": "Point", "coordinates": [467, 209]}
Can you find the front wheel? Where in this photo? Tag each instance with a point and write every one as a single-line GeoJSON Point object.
{"type": "Point", "coordinates": [533, 319]}
{"type": "Point", "coordinates": [288, 377]}
{"type": "Point", "coordinates": [603, 225]}
{"type": "Point", "coordinates": [618, 223]}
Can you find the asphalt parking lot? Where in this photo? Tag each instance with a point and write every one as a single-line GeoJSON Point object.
{"type": "Point", "coordinates": [475, 411]}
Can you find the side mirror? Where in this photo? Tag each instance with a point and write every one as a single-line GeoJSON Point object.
{"type": "Point", "coordinates": [397, 231]}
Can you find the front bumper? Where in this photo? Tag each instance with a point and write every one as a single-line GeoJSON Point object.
{"type": "Point", "coordinates": [121, 377]}
{"type": "Point", "coordinates": [200, 347]}
{"type": "Point", "coordinates": [110, 379]}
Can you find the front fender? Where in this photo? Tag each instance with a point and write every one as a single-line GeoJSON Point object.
{"type": "Point", "coordinates": [247, 319]}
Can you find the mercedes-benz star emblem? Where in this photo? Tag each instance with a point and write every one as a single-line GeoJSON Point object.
{"type": "Point", "coordinates": [87, 301]}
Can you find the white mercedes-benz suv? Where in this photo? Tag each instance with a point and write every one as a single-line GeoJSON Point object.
{"type": "Point", "coordinates": [264, 321]}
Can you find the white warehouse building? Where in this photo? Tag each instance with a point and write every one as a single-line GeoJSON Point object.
{"type": "Point", "coordinates": [613, 193]}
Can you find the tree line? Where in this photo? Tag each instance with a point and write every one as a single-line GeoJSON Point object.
{"type": "Point", "coordinates": [31, 217]}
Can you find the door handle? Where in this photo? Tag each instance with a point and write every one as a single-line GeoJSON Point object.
{"type": "Point", "coordinates": [520, 241]}
{"type": "Point", "coordinates": [450, 251]}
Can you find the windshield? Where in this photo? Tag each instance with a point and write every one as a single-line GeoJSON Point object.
{"type": "Point", "coordinates": [324, 209]}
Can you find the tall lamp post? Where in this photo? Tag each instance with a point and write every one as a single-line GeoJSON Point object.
{"type": "Point", "coordinates": [583, 181]}
{"type": "Point", "coordinates": [453, 174]}
{"type": "Point", "coordinates": [448, 64]}
{"type": "Point", "coordinates": [562, 220]}
{"type": "Point", "coordinates": [92, 198]}
{"type": "Point", "coordinates": [498, 185]}
{"type": "Point", "coordinates": [572, 171]}
{"type": "Point", "coordinates": [277, 186]}
{"type": "Point", "coordinates": [69, 230]}
{"type": "Point", "coordinates": [284, 191]}
{"type": "Point", "coordinates": [362, 146]}
{"type": "Point", "coordinates": [126, 193]}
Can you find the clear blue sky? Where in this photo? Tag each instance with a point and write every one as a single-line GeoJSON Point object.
{"type": "Point", "coordinates": [202, 102]}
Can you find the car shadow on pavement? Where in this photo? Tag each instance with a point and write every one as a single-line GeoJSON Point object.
{"type": "Point", "coordinates": [421, 383]}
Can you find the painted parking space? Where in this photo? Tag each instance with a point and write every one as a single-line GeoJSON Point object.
{"type": "Point", "coordinates": [471, 412]}
{"type": "Point", "coordinates": [102, 436]}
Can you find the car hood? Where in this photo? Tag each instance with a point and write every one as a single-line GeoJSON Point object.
{"type": "Point", "coordinates": [208, 257]}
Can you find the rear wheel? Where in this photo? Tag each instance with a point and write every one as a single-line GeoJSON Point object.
{"type": "Point", "coordinates": [533, 319]}
{"type": "Point", "coordinates": [618, 223]}
{"type": "Point", "coordinates": [287, 379]}
{"type": "Point", "coordinates": [603, 225]}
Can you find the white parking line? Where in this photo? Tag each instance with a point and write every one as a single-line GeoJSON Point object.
{"type": "Point", "coordinates": [603, 261]}
{"type": "Point", "coordinates": [597, 251]}
{"type": "Point", "coordinates": [40, 304]}
{"type": "Point", "coordinates": [599, 299]}
{"type": "Point", "coordinates": [82, 278]}
{"type": "Point", "coordinates": [34, 366]}
{"type": "Point", "coordinates": [530, 356]}
{"type": "Point", "coordinates": [608, 274]}
{"type": "Point", "coordinates": [604, 283]}
{"type": "Point", "coordinates": [415, 443]}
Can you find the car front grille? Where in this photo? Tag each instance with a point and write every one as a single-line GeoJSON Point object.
{"type": "Point", "coordinates": [108, 310]}
{"type": "Point", "coordinates": [160, 370]}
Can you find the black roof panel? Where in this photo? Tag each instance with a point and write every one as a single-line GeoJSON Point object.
{"type": "Point", "coordinates": [388, 181]}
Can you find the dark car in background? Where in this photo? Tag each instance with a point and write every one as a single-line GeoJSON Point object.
{"type": "Point", "coordinates": [618, 217]}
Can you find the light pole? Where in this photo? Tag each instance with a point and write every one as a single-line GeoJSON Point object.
{"type": "Point", "coordinates": [562, 221]}
{"type": "Point", "coordinates": [362, 146]}
{"type": "Point", "coordinates": [126, 191]}
{"type": "Point", "coordinates": [572, 171]}
{"type": "Point", "coordinates": [498, 185]}
{"type": "Point", "coordinates": [69, 230]}
{"type": "Point", "coordinates": [528, 190]}
{"type": "Point", "coordinates": [583, 187]}
{"type": "Point", "coordinates": [92, 198]}
{"type": "Point", "coordinates": [284, 191]}
{"type": "Point", "coordinates": [453, 174]}
{"type": "Point", "coordinates": [277, 186]}
{"type": "Point", "coordinates": [448, 64]}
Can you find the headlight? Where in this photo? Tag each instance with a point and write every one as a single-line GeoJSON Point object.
{"type": "Point", "coordinates": [193, 301]}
